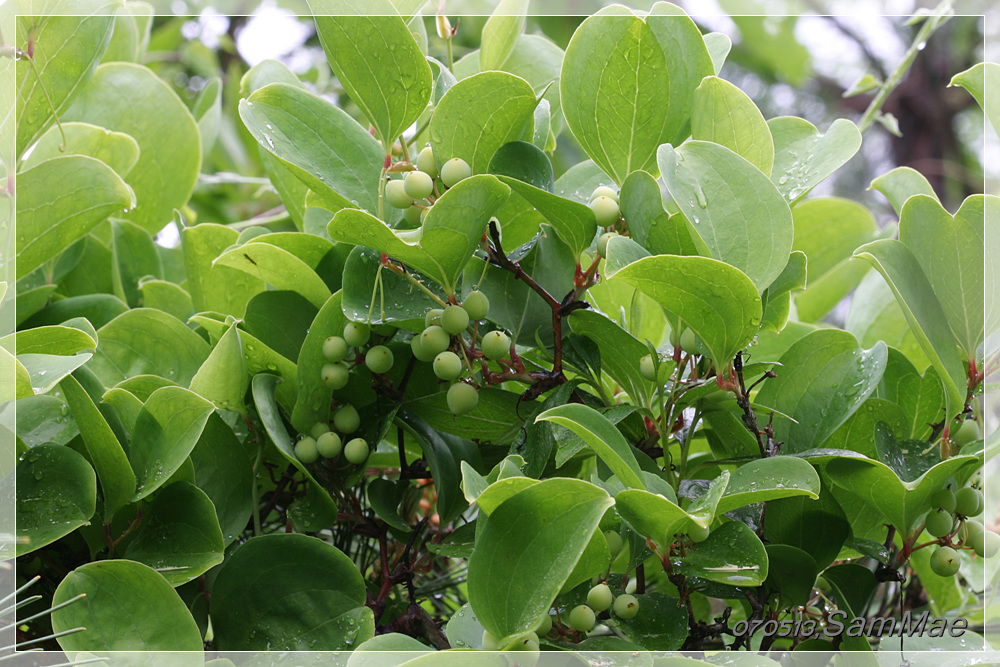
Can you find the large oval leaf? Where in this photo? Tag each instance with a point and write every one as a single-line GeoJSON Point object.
{"type": "Point", "coordinates": [56, 494]}
{"type": "Point", "coordinates": [732, 555]}
{"type": "Point", "coordinates": [726, 115]}
{"type": "Point", "coordinates": [768, 479]}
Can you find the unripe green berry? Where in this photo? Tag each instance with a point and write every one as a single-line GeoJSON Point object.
{"type": "Point", "coordinates": [346, 419]}
{"type": "Point", "coordinates": [599, 597]}
{"type": "Point", "coordinates": [418, 349]}
{"type": "Point", "coordinates": [615, 543]}
{"type": "Point", "coordinates": [939, 523]}
{"type": "Point", "coordinates": [447, 366]}
{"type": "Point", "coordinates": [433, 316]}
{"type": "Point", "coordinates": [426, 163]}
{"type": "Point", "coordinates": [435, 340]}
{"type": "Point", "coordinates": [489, 641]}
{"type": "Point", "coordinates": [412, 215]}
{"type": "Point", "coordinates": [527, 641]}
{"type": "Point", "coordinates": [544, 625]}
{"type": "Point", "coordinates": [605, 210]}
{"type": "Point", "coordinates": [986, 544]}
{"type": "Point", "coordinates": [943, 499]}
{"type": "Point", "coordinates": [379, 359]}
{"type": "Point", "coordinates": [602, 243]}
{"type": "Point", "coordinates": [969, 502]}
{"type": "Point", "coordinates": [582, 618]}
{"type": "Point", "coordinates": [462, 398]}
{"type": "Point", "coordinates": [688, 343]}
{"type": "Point", "coordinates": [356, 334]}
{"type": "Point", "coordinates": [823, 585]}
{"type": "Point", "coordinates": [305, 450]}
{"type": "Point", "coordinates": [455, 170]}
{"type": "Point", "coordinates": [604, 191]}
{"type": "Point", "coordinates": [418, 184]}
{"type": "Point", "coordinates": [698, 533]}
{"type": "Point", "coordinates": [335, 349]}
{"type": "Point", "coordinates": [647, 367]}
{"type": "Point", "coordinates": [454, 320]}
{"type": "Point", "coordinates": [477, 305]}
{"type": "Point", "coordinates": [496, 345]}
{"type": "Point", "coordinates": [329, 445]}
{"type": "Point", "coordinates": [970, 528]}
{"type": "Point", "coordinates": [356, 451]}
{"type": "Point", "coordinates": [318, 429]}
{"type": "Point", "coordinates": [945, 561]}
{"type": "Point", "coordinates": [395, 194]}
{"type": "Point", "coordinates": [335, 375]}
{"type": "Point", "coordinates": [626, 606]}
{"type": "Point", "coordinates": [966, 433]}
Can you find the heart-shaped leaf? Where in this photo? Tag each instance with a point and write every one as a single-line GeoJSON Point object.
{"type": "Point", "coordinates": [803, 157]}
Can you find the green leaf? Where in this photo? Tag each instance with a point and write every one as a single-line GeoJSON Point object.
{"type": "Point", "coordinates": [501, 32]}
{"type": "Point", "coordinates": [825, 377]}
{"type": "Point", "coordinates": [983, 81]}
{"type": "Point", "coordinates": [67, 50]}
{"type": "Point", "coordinates": [56, 493]}
{"type": "Point", "coordinates": [166, 296]}
{"type": "Point", "coordinates": [614, 87]}
{"type": "Point", "coordinates": [384, 497]}
{"type": "Point", "coordinates": [858, 432]}
{"type": "Point", "coordinates": [480, 114]}
{"type": "Point", "coordinates": [380, 65]}
{"type": "Point", "coordinates": [853, 585]}
{"type": "Point", "coordinates": [289, 592]}
{"type": "Point", "coordinates": [660, 625]}
{"type": "Point", "coordinates": [726, 115]}
{"type": "Point", "coordinates": [803, 157]}
{"type": "Point", "coordinates": [123, 594]}
{"type": "Point", "coordinates": [792, 521]}
{"type": "Point", "coordinates": [791, 572]}
{"type": "Point", "coordinates": [900, 184]}
{"type": "Point", "coordinates": [718, 302]}
{"type": "Point", "coordinates": [59, 201]}
{"type": "Point", "coordinates": [143, 341]}
{"type": "Point", "coordinates": [115, 149]}
{"type": "Point", "coordinates": [734, 208]}
{"type": "Point", "coordinates": [280, 319]}
{"type": "Point", "coordinates": [602, 436]}
{"type": "Point", "coordinates": [133, 256]}
{"type": "Point", "coordinates": [620, 352]}
{"type": "Point", "coordinates": [718, 45]}
{"type": "Point", "coordinates": [312, 403]}
{"type": "Point", "coordinates": [524, 162]}
{"type": "Point", "coordinates": [449, 235]}
{"type": "Point", "coordinates": [62, 340]}
{"type": "Point", "coordinates": [875, 315]}
{"type": "Point", "coordinates": [318, 142]}
{"type": "Point", "coordinates": [44, 371]}
{"type": "Point", "coordinates": [648, 224]}
{"type": "Point", "coordinates": [103, 449]}
{"type": "Point", "coordinates": [396, 298]}
{"type": "Point", "coordinates": [277, 267]}
{"type": "Point", "coordinates": [732, 555]}
{"type": "Point", "coordinates": [769, 479]}
{"type": "Point", "coordinates": [223, 378]}
{"type": "Point", "coordinates": [494, 419]}
{"type": "Point", "coordinates": [263, 385]}
{"type": "Point", "coordinates": [166, 172]}
{"type": "Point", "coordinates": [528, 549]}
{"type": "Point", "coordinates": [923, 313]}
{"type": "Point", "coordinates": [921, 397]}
{"type": "Point", "coordinates": [179, 536]}
{"type": "Point", "coordinates": [652, 515]}
{"type": "Point", "coordinates": [131, 34]}
{"type": "Point", "coordinates": [770, 43]}
{"type": "Point", "coordinates": [166, 430]}
{"type": "Point", "coordinates": [219, 289]}
{"type": "Point", "coordinates": [207, 110]}
{"type": "Point", "coordinates": [574, 223]}
{"type": "Point", "coordinates": [225, 473]}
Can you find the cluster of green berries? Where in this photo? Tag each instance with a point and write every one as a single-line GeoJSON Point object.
{"type": "Point", "coordinates": [328, 443]}
{"type": "Point", "coordinates": [337, 349]}
{"type": "Point", "coordinates": [416, 191]}
{"type": "Point", "coordinates": [600, 598]}
{"type": "Point", "coordinates": [685, 340]}
{"type": "Point", "coordinates": [952, 520]}
{"type": "Point", "coordinates": [604, 204]}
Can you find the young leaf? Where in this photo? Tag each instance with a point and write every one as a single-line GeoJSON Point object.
{"type": "Point", "coordinates": [983, 81]}
{"type": "Point", "coordinates": [56, 494]}
{"type": "Point", "coordinates": [900, 184]}
{"type": "Point", "coordinates": [501, 32]}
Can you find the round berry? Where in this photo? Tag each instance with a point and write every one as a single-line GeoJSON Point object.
{"type": "Point", "coordinates": [455, 170]}
{"type": "Point", "coordinates": [544, 625]}
{"type": "Point", "coordinates": [605, 210]}
{"type": "Point", "coordinates": [604, 191]}
{"type": "Point", "coordinates": [335, 349]}
{"type": "Point", "coordinates": [356, 451]}
{"type": "Point", "coordinates": [447, 366]}
{"type": "Point", "coordinates": [986, 544]}
{"type": "Point", "coordinates": [318, 429]}
{"type": "Point", "coordinates": [346, 420]}
{"type": "Point", "coordinates": [823, 585]}
{"type": "Point", "coordinates": [966, 433]}
{"type": "Point", "coordinates": [945, 561]}
{"type": "Point", "coordinates": [477, 305]}
{"type": "Point", "coordinates": [379, 359]}
{"type": "Point", "coordinates": [329, 445]}
{"type": "Point", "coordinates": [943, 499]}
{"type": "Point", "coordinates": [615, 543]}
{"type": "Point", "coordinates": [433, 316]}
{"type": "Point", "coordinates": [489, 641]}
{"type": "Point", "coordinates": [602, 243]}
{"type": "Point", "coordinates": [599, 597]}
{"type": "Point", "coordinates": [969, 502]}
{"type": "Point", "coordinates": [305, 450]}
{"type": "Point", "coordinates": [395, 194]}
{"type": "Point", "coordinates": [335, 375]}
{"type": "Point", "coordinates": [356, 334]}
{"type": "Point", "coordinates": [426, 163]}
{"type": "Point", "coordinates": [582, 618]}
{"type": "Point", "coordinates": [527, 641]}
{"type": "Point", "coordinates": [688, 343]}
{"type": "Point", "coordinates": [412, 215]}
{"type": "Point", "coordinates": [462, 398]}
{"type": "Point", "coordinates": [418, 184]}
{"type": "Point", "coordinates": [496, 345]}
{"type": "Point", "coordinates": [647, 367]}
{"type": "Point", "coordinates": [626, 606]}
{"type": "Point", "coordinates": [435, 340]}
{"type": "Point", "coordinates": [454, 320]}
{"type": "Point", "coordinates": [970, 528]}
{"type": "Point", "coordinates": [698, 533]}
{"type": "Point", "coordinates": [939, 523]}
{"type": "Point", "coordinates": [418, 349]}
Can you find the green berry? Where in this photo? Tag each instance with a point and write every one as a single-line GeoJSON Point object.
{"type": "Point", "coordinates": [582, 618]}
{"type": "Point", "coordinates": [395, 194]}
{"type": "Point", "coordinates": [945, 561]}
{"type": "Point", "coordinates": [447, 366]}
{"type": "Point", "coordinates": [605, 210]}
{"type": "Point", "coordinates": [477, 305]}
{"type": "Point", "coordinates": [496, 345]}
{"type": "Point", "coordinates": [602, 243]}
{"type": "Point", "coordinates": [966, 433]}
{"type": "Point", "coordinates": [455, 170]}
{"type": "Point", "coordinates": [356, 334]}
{"type": "Point", "coordinates": [379, 359]}
{"type": "Point", "coordinates": [435, 340]}
{"type": "Point", "coordinates": [462, 398]}
{"type": "Point", "coordinates": [823, 585]}
{"type": "Point", "coordinates": [318, 429]}
{"type": "Point", "coordinates": [418, 184]}
{"type": "Point", "coordinates": [527, 641]}
{"type": "Point", "coordinates": [418, 349]}
{"type": "Point", "coordinates": [454, 320]}
{"type": "Point", "coordinates": [544, 625]}
{"type": "Point", "coordinates": [698, 533]}
{"type": "Point", "coordinates": [489, 641]}
{"type": "Point", "coordinates": [346, 420]}
{"type": "Point", "coordinates": [648, 368]}
{"type": "Point", "coordinates": [433, 316]}
{"type": "Point", "coordinates": [412, 215]}
{"type": "Point", "coordinates": [615, 543]}
{"type": "Point", "coordinates": [424, 213]}
{"type": "Point", "coordinates": [986, 544]}
{"type": "Point", "coordinates": [305, 450]}
{"type": "Point", "coordinates": [604, 191]}
{"type": "Point", "coordinates": [626, 606]}
{"type": "Point", "coordinates": [687, 341]}
{"type": "Point", "coordinates": [939, 523]}
{"type": "Point", "coordinates": [599, 597]}
{"type": "Point", "coordinates": [969, 502]}
{"type": "Point", "coordinates": [335, 349]}
{"type": "Point", "coordinates": [943, 499]}
{"type": "Point", "coordinates": [426, 163]}
{"type": "Point", "coordinates": [329, 445]}
{"type": "Point", "coordinates": [335, 375]}
{"type": "Point", "coordinates": [356, 451]}
{"type": "Point", "coordinates": [970, 528]}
